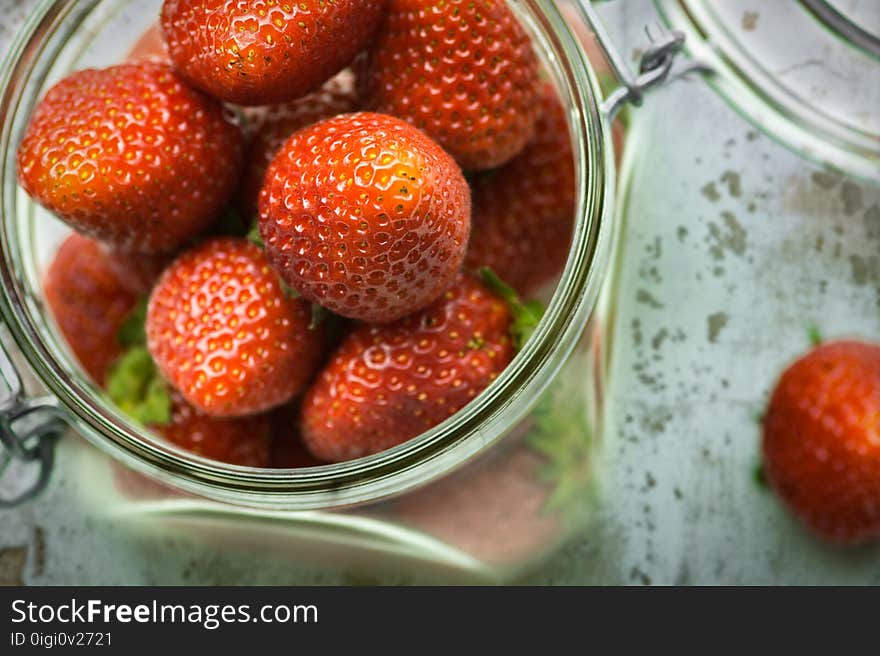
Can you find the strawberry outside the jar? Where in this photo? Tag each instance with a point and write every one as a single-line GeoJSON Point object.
{"type": "Point", "coordinates": [821, 442]}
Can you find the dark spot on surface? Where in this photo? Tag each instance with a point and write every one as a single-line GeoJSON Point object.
{"type": "Point", "coordinates": [659, 338]}
{"type": "Point", "coordinates": [826, 179]}
{"type": "Point", "coordinates": [655, 421]}
{"type": "Point", "coordinates": [733, 239]}
{"type": "Point", "coordinates": [710, 191]}
{"type": "Point", "coordinates": [750, 20]}
{"type": "Point", "coordinates": [637, 332]}
{"type": "Point", "coordinates": [872, 222]}
{"type": "Point", "coordinates": [733, 182]}
{"type": "Point", "coordinates": [12, 564]}
{"type": "Point", "coordinates": [644, 296]}
{"type": "Point", "coordinates": [865, 269]}
{"type": "Point", "coordinates": [851, 195]}
{"type": "Point", "coordinates": [638, 575]}
{"type": "Point", "coordinates": [716, 323]}
{"type": "Point", "coordinates": [39, 545]}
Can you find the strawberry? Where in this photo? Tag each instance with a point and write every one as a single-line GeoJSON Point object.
{"type": "Point", "coordinates": [150, 47]}
{"type": "Point", "coordinates": [273, 125]}
{"type": "Point", "coordinates": [366, 216]}
{"type": "Point", "coordinates": [224, 333]}
{"type": "Point", "coordinates": [387, 383]}
{"type": "Point", "coordinates": [257, 52]}
{"type": "Point", "coordinates": [462, 71]}
{"type": "Point", "coordinates": [89, 302]}
{"type": "Point", "coordinates": [287, 450]}
{"type": "Point", "coordinates": [133, 383]}
{"type": "Point", "coordinates": [523, 213]}
{"type": "Point", "coordinates": [822, 440]}
{"type": "Point", "coordinates": [131, 156]}
{"type": "Point", "coordinates": [237, 440]}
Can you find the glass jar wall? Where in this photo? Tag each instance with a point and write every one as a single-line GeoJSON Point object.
{"type": "Point", "coordinates": [744, 226]}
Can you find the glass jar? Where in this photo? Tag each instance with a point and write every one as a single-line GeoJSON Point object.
{"type": "Point", "coordinates": [750, 211]}
{"type": "Point", "coordinates": [484, 495]}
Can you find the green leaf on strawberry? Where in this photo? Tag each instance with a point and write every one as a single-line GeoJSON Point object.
{"type": "Point", "coordinates": [133, 382]}
{"type": "Point", "coordinates": [526, 316]}
{"type": "Point", "coordinates": [135, 386]}
{"type": "Point", "coordinates": [254, 235]}
{"type": "Point", "coordinates": [230, 224]}
{"type": "Point", "coordinates": [131, 333]}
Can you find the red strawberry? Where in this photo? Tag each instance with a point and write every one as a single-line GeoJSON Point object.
{"type": "Point", "coordinates": [462, 71]}
{"type": "Point", "coordinates": [365, 215]}
{"type": "Point", "coordinates": [237, 440]}
{"type": "Point", "coordinates": [288, 450]}
{"type": "Point", "coordinates": [134, 385]}
{"type": "Point", "coordinates": [131, 156]}
{"type": "Point", "coordinates": [388, 383]}
{"type": "Point", "coordinates": [89, 302]}
{"type": "Point", "coordinates": [273, 125]}
{"type": "Point", "coordinates": [223, 332]}
{"type": "Point", "coordinates": [150, 47]}
{"type": "Point", "coordinates": [822, 440]}
{"type": "Point", "coordinates": [256, 52]}
{"type": "Point", "coordinates": [523, 213]}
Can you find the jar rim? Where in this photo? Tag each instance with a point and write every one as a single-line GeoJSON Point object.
{"type": "Point", "coordinates": [771, 80]}
{"type": "Point", "coordinates": [401, 468]}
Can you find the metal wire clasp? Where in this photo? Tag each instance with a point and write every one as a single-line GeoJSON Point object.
{"type": "Point", "coordinates": [654, 67]}
{"type": "Point", "coordinates": [29, 428]}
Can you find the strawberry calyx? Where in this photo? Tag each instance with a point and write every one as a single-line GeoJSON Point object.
{"type": "Point", "coordinates": [135, 386]}
{"type": "Point", "coordinates": [319, 315]}
{"type": "Point", "coordinates": [255, 237]}
{"type": "Point", "coordinates": [132, 332]}
{"type": "Point", "coordinates": [526, 315]}
{"type": "Point", "coordinates": [133, 381]}
{"type": "Point", "coordinates": [231, 224]}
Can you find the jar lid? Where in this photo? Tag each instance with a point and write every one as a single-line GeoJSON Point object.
{"type": "Point", "coordinates": [806, 72]}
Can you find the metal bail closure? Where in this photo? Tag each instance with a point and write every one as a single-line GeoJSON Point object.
{"type": "Point", "coordinates": [655, 66]}
{"type": "Point", "coordinates": [28, 431]}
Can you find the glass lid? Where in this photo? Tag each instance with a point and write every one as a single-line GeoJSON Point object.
{"type": "Point", "coordinates": [806, 72]}
{"type": "Point", "coordinates": [857, 21]}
